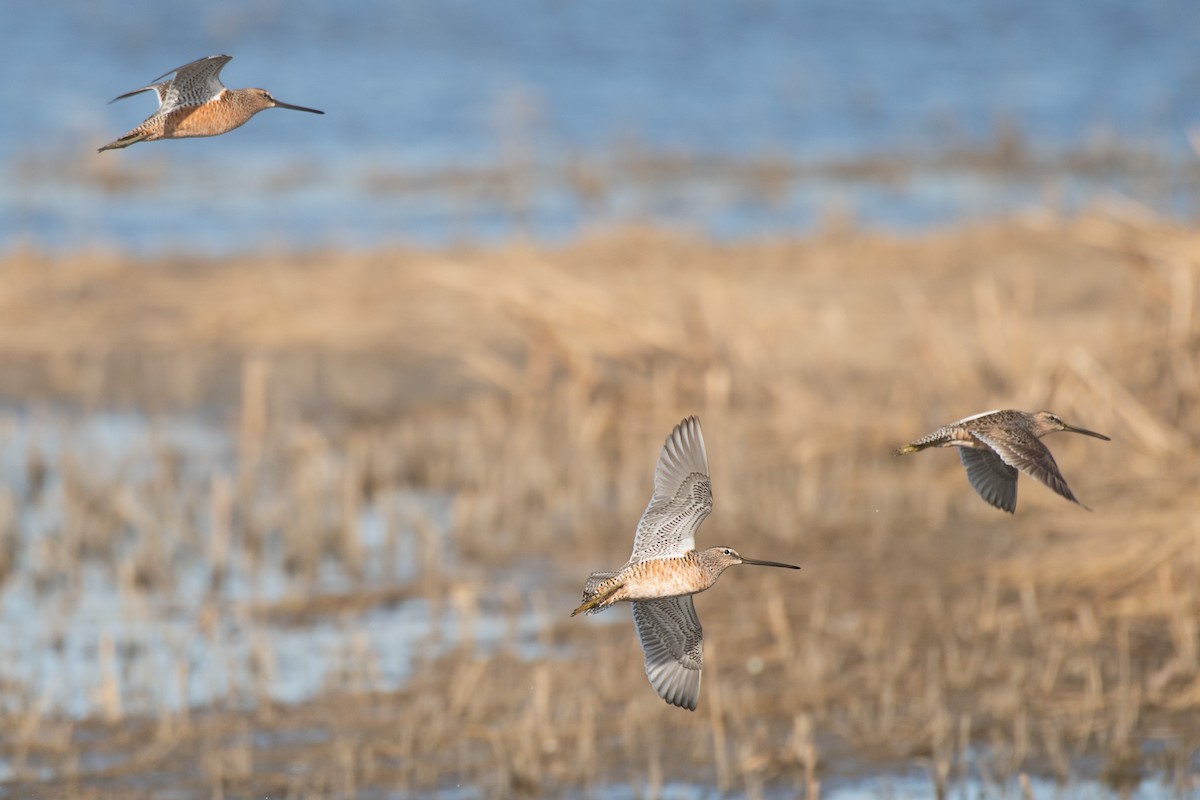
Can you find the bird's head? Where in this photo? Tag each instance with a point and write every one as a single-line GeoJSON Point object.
{"type": "Point", "coordinates": [1047, 422]}
{"type": "Point", "coordinates": [721, 558]}
{"type": "Point", "coordinates": [261, 98]}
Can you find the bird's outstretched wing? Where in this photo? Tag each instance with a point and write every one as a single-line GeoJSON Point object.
{"type": "Point", "coordinates": [995, 481]}
{"type": "Point", "coordinates": [1027, 453]}
{"type": "Point", "coordinates": [192, 85]}
{"type": "Point", "coordinates": [673, 644]}
{"type": "Point", "coordinates": [196, 83]}
{"type": "Point", "coordinates": [682, 496]}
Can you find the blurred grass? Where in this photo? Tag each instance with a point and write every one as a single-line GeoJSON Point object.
{"type": "Point", "coordinates": [535, 384]}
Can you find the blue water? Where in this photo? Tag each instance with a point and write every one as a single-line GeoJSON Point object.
{"type": "Point", "coordinates": [426, 86]}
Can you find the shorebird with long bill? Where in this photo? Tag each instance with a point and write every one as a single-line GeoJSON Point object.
{"type": "Point", "coordinates": [195, 103]}
{"type": "Point", "coordinates": [994, 445]}
{"type": "Point", "coordinates": [666, 569]}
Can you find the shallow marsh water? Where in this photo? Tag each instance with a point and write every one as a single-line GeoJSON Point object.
{"type": "Point", "coordinates": [80, 638]}
{"type": "Point", "coordinates": [449, 121]}
{"type": "Point", "coordinates": [133, 596]}
{"type": "Point", "coordinates": [88, 642]}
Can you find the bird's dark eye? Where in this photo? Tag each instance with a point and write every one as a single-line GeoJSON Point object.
{"type": "Point", "coordinates": [728, 552]}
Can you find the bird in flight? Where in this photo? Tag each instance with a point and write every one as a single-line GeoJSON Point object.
{"type": "Point", "coordinates": [994, 445]}
{"type": "Point", "coordinates": [666, 569]}
{"type": "Point", "coordinates": [195, 103]}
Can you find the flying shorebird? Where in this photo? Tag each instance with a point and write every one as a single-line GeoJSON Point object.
{"type": "Point", "coordinates": [666, 569]}
{"type": "Point", "coordinates": [196, 103]}
{"type": "Point", "coordinates": [995, 444]}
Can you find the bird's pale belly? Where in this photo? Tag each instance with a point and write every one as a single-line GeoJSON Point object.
{"type": "Point", "coordinates": [663, 577]}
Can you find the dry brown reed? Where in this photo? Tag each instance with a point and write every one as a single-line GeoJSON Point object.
{"type": "Point", "coordinates": [533, 385]}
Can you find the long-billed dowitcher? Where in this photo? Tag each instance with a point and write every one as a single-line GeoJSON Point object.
{"type": "Point", "coordinates": [666, 569]}
{"type": "Point", "coordinates": [995, 444]}
{"type": "Point", "coordinates": [196, 103]}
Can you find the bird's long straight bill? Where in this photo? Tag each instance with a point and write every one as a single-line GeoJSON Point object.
{"type": "Point", "coordinates": [1085, 432]}
{"type": "Point", "coordinates": [297, 108]}
{"type": "Point", "coordinates": [758, 563]}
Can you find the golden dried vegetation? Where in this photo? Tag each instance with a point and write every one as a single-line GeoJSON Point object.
{"type": "Point", "coordinates": [532, 387]}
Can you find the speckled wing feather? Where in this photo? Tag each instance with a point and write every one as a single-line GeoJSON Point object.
{"type": "Point", "coordinates": [673, 644]}
{"type": "Point", "coordinates": [195, 83]}
{"type": "Point", "coordinates": [995, 481]}
{"type": "Point", "coordinates": [682, 496]}
{"type": "Point", "coordinates": [1028, 454]}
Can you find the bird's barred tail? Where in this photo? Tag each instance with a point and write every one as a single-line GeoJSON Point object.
{"type": "Point", "coordinates": [935, 439]}
{"type": "Point", "coordinates": [133, 137]}
{"type": "Point", "coordinates": [593, 594]}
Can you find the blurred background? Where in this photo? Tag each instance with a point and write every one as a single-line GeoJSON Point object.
{"type": "Point", "coordinates": [469, 121]}
{"type": "Point", "coordinates": [312, 431]}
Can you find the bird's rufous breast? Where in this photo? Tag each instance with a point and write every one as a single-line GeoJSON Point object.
{"type": "Point", "coordinates": [209, 119]}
